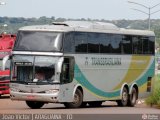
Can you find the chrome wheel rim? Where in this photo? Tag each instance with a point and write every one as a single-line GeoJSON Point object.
{"type": "Point", "coordinates": [124, 96]}
{"type": "Point", "coordinates": [76, 99]}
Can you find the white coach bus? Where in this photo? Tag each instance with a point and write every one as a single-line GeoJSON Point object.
{"type": "Point", "coordinates": [79, 63]}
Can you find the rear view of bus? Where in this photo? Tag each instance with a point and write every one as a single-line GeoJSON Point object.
{"type": "Point", "coordinates": [6, 45]}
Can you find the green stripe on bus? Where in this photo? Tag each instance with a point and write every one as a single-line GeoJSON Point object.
{"type": "Point", "coordinates": [150, 73]}
{"type": "Point", "coordinates": [85, 83]}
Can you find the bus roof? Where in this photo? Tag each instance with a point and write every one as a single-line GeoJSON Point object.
{"type": "Point", "coordinates": [87, 26]}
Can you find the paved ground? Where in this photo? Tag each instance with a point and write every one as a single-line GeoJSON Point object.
{"type": "Point", "coordinates": [8, 106]}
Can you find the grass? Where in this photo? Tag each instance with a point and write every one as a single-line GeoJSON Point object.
{"type": "Point", "coordinates": [154, 99]}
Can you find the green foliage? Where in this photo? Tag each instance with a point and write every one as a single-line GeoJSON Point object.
{"type": "Point", "coordinates": [154, 99]}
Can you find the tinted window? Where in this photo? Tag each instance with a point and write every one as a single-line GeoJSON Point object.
{"type": "Point", "coordinates": [137, 45]}
{"type": "Point", "coordinates": [68, 45]}
{"type": "Point", "coordinates": [145, 45]}
{"type": "Point", "coordinates": [107, 43]}
{"type": "Point", "coordinates": [116, 41]}
{"type": "Point", "coordinates": [151, 45]}
{"type": "Point", "coordinates": [38, 41]}
{"type": "Point", "coordinates": [93, 42]}
{"type": "Point", "coordinates": [80, 42]}
{"type": "Point", "coordinates": [104, 42]}
{"type": "Point", "coordinates": [127, 44]}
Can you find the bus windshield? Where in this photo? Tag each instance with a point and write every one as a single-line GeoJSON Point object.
{"type": "Point", "coordinates": [34, 68]}
{"type": "Point", "coordinates": [38, 41]}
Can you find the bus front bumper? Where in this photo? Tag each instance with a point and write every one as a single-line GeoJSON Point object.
{"type": "Point", "coordinates": [43, 97]}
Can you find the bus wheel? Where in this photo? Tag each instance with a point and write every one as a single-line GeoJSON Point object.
{"type": "Point", "coordinates": [34, 105]}
{"type": "Point", "coordinates": [77, 102]}
{"type": "Point", "coordinates": [133, 97]}
{"type": "Point", "coordinates": [95, 104]}
{"type": "Point", "coordinates": [124, 99]}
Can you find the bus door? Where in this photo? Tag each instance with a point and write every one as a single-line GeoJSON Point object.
{"type": "Point", "coordinates": [66, 78]}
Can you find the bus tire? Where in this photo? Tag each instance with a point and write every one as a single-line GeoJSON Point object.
{"type": "Point", "coordinates": [77, 102]}
{"type": "Point", "coordinates": [34, 105]}
{"type": "Point", "coordinates": [124, 100]}
{"type": "Point", "coordinates": [133, 97]}
{"type": "Point", "coordinates": [95, 104]}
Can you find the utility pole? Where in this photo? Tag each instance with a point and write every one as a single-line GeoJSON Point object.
{"type": "Point", "coordinates": [149, 13]}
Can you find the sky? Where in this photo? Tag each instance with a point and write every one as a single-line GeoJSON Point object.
{"type": "Point", "coordinates": [94, 9]}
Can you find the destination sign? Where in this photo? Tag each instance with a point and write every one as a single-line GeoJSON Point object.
{"type": "Point", "coordinates": [23, 63]}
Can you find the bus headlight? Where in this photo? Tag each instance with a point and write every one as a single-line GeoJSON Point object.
{"type": "Point", "coordinates": [14, 90]}
{"type": "Point", "coordinates": [52, 91]}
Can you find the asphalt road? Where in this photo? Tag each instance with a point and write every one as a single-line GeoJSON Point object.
{"type": "Point", "coordinates": [9, 107]}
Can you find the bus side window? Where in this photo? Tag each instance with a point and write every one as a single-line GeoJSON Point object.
{"type": "Point", "coordinates": [67, 70]}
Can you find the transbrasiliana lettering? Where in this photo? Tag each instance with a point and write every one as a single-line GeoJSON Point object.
{"type": "Point", "coordinates": [106, 61]}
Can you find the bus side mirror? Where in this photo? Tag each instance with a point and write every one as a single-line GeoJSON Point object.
{"type": "Point", "coordinates": [59, 65]}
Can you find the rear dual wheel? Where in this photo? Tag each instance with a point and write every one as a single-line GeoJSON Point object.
{"type": "Point", "coordinates": [125, 96]}
{"type": "Point", "coordinates": [128, 100]}
{"type": "Point", "coordinates": [133, 97]}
